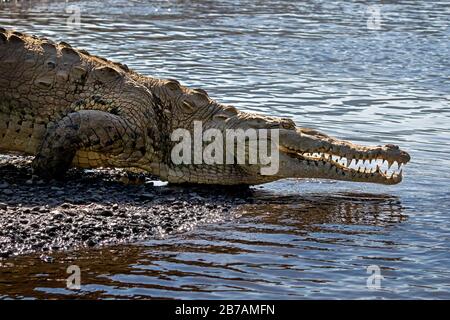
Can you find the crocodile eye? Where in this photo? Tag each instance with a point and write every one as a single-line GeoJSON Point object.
{"type": "Point", "coordinates": [288, 124]}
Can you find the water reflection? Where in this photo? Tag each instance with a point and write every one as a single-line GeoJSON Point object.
{"type": "Point", "coordinates": [341, 208]}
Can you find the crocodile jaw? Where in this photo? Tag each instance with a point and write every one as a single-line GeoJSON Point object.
{"type": "Point", "coordinates": [307, 153]}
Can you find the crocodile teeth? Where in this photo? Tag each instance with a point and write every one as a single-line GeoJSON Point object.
{"type": "Point", "coordinates": [390, 163]}
{"type": "Point", "coordinates": [358, 165]}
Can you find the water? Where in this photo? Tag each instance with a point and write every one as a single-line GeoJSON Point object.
{"type": "Point", "coordinates": [323, 64]}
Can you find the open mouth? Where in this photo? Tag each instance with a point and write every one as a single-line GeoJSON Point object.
{"type": "Point", "coordinates": [376, 166]}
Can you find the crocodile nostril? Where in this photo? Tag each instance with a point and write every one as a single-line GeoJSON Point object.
{"type": "Point", "coordinates": [393, 146]}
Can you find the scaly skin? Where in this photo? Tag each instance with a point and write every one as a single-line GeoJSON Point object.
{"type": "Point", "coordinates": [70, 108]}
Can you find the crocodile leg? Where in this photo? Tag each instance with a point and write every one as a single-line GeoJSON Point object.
{"type": "Point", "coordinates": [92, 130]}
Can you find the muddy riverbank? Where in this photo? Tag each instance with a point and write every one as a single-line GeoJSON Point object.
{"type": "Point", "coordinates": [96, 208]}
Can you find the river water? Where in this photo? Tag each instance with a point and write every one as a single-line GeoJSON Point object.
{"type": "Point", "coordinates": [358, 70]}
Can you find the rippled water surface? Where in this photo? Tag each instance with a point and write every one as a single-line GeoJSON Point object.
{"type": "Point", "coordinates": [314, 61]}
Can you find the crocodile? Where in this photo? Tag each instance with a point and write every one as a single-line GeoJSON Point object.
{"type": "Point", "coordinates": [69, 108]}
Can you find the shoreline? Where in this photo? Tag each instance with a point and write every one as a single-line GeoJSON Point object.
{"type": "Point", "coordinates": [93, 208]}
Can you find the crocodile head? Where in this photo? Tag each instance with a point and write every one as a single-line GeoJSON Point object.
{"type": "Point", "coordinates": [308, 153]}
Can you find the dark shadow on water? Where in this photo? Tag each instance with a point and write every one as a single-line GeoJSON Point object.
{"type": "Point", "coordinates": [338, 208]}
